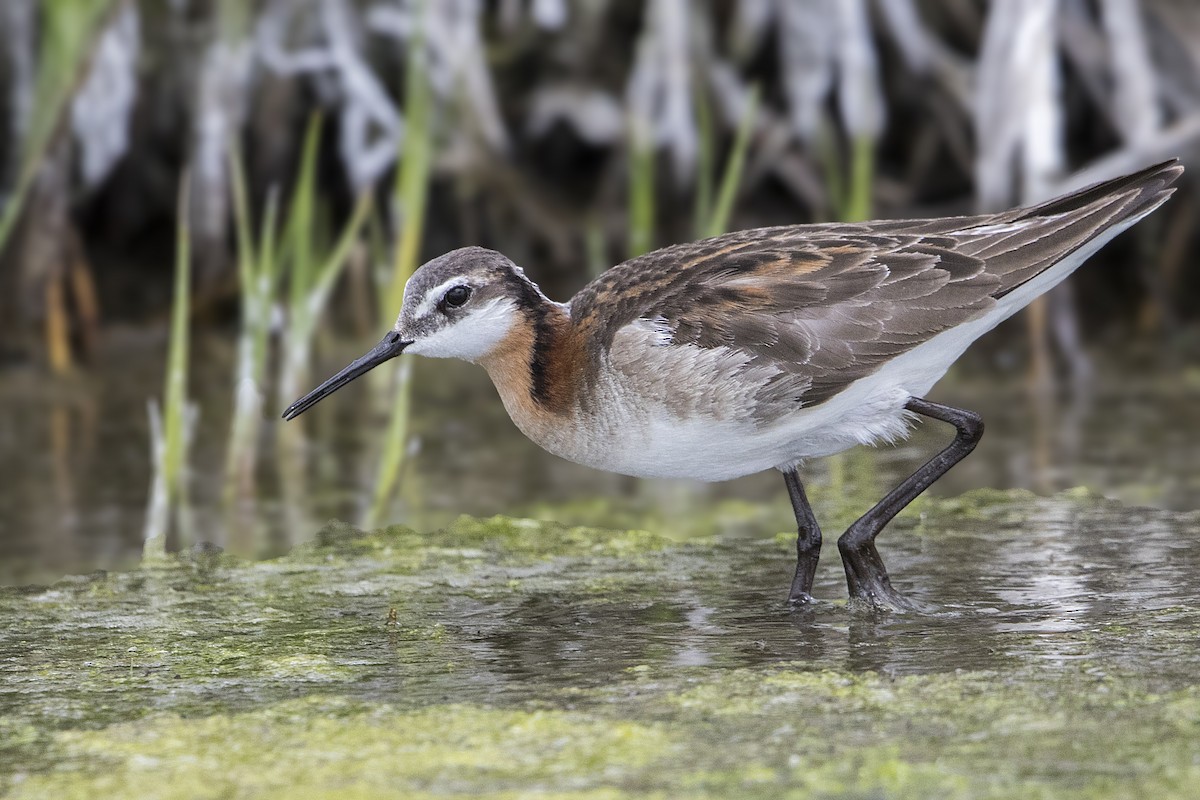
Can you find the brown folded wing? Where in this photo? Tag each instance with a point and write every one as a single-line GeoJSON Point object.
{"type": "Point", "coordinates": [828, 304]}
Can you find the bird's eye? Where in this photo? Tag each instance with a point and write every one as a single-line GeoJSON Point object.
{"type": "Point", "coordinates": [457, 296]}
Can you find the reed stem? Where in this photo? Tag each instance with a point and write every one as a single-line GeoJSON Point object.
{"type": "Point", "coordinates": [410, 198]}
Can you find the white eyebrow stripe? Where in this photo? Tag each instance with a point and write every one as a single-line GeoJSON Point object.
{"type": "Point", "coordinates": [434, 295]}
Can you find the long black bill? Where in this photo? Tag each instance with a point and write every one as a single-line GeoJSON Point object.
{"type": "Point", "coordinates": [390, 347]}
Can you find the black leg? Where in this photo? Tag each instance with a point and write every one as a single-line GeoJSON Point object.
{"type": "Point", "coordinates": [808, 540]}
{"type": "Point", "coordinates": [866, 576]}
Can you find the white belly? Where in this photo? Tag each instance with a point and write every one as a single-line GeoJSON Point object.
{"type": "Point", "coordinates": [661, 446]}
{"type": "Point", "coordinates": [691, 414]}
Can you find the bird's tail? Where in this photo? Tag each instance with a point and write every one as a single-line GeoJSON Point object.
{"type": "Point", "coordinates": [1072, 228]}
{"type": "Point", "coordinates": [1142, 191]}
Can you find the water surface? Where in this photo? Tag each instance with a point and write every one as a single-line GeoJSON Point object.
{"type": "Point", "coordinates": [507, 657]}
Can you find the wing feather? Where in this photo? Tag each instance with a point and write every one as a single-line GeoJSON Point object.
{"type": "Point", "coordinates": [824, 305]}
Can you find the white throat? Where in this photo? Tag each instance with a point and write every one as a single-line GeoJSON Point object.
{"type": "Point", "coordinates": [472, 337]}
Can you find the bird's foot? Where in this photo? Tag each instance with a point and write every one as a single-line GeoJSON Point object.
{"type": "Point", "coordinates": [800, 592]}
{"type": "Point", "coordinates": [882, 597]}
{"type": "Point", "coordinates": [867, 578]}
{"type": "Point", "coordinates": [800, 600]}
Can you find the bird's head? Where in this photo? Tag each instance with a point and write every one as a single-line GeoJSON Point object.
{"type": "Point", "coordinates": [463, 304]}
{"type": "Point", "coordinates": [459, 305]}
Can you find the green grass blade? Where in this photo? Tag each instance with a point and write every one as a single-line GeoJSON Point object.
{"type": "Point", "coordinates": [858, 204]}
{"type": "Point", "coordinates": [719, 221]}
{"type": "Point", "coordinates": [377, 245]}
{"type": "Point", "coordinates": [267, 265]}
{"type": "Point", "coordinates": [595, 246]}
{"type": "Point", "coordinates": [175, 390]}
{"type": "Point", "coordinates": [702, 211]}
{"type": "Point", "coordinates": [829, 154]}
{"type": "Point", "coordinates": [412, 178]}
{"type": "Point", "coordinates": [395, 443]}
{"type": "Point", "coordinates": [258, 276]}
{"type": "Point", "coordinates": [411, 197]}
{"type": "Point", "coordinates": [68, 30]}
{"type": "Point", "coordinates": [328, 273]}
{"type": "Point", "coordinates": [301, 214]}
{"type": "Point", "coordinates": [641, 194]}
{"type": "Point", "coordinates": [260, 299]}
{"type": "Point", "coordinates": [241, 219]}
{"type": "Point", "coordinates": [15, 202]}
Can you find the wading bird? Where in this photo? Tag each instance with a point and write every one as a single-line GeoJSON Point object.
{"type": "Point", "coordinates": [761, 348]}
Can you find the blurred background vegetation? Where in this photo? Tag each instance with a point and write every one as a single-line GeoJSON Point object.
{"type": "Point", "coordinates": [247, 185]}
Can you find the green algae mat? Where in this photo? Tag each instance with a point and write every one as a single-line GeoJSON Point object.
{"type": "Point", "coordinates": [516, 658]}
